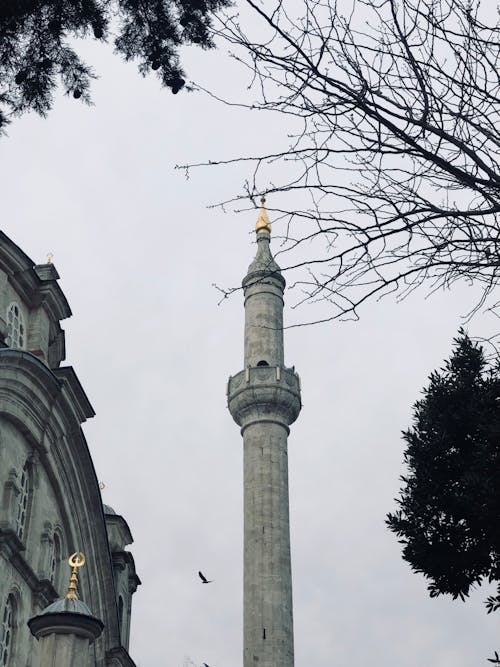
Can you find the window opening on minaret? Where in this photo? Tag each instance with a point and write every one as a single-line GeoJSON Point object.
{"type": "Point", "coordinates": [262, 362]}
{"type": "Point", "coordinates": [6, 631]}
{"type": "Point", "coordinates": [16, 330]}
{"type": "Point", "coordinates": [263, 633]}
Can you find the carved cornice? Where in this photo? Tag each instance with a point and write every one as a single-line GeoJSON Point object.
{"type": "Point", "coordinates": [76, 392]}
{"type": "Point", "coordinates": [50, 382]}
{"type": "Point", "coordinates": [264, 394]}
{"type": "Point", "coordinates": [66, 623]}
{"type": "Point", "coordinates": [36, 284]}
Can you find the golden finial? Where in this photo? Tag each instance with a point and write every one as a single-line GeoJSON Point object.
{"type": "Point", "coordinates": [75, 561]}
{"type": "Point", "coordinates": [50, 257]}
{"type": "Point", "coordinates": [263, 224]}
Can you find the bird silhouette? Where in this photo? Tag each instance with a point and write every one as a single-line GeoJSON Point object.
{"type": "Point", "coordinates": [204, 580]}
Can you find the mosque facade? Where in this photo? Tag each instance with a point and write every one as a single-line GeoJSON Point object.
{"type": "Point", "coordinates": [50, 500]}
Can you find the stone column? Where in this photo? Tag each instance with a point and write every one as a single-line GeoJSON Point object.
{"type": "Point", "coordinates": [65, 631]}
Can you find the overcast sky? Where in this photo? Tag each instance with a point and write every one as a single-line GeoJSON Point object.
{"type": "Point", "coordinates": [138, 252]}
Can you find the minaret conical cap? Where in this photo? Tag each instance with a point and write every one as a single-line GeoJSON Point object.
{"type": "Point", "coordinates": [264, 261]}
{"type": "Point", "coordinates": [263, 224]}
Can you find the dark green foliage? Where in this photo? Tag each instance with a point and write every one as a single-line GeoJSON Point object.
{"type": "Point", "coordinates": [448, 519]}
{"type": "Point", "coordinates": [37, 44]}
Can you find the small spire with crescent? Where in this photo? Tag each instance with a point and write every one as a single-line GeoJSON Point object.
{"type": "Point", "coordinates": [75, 561]}
{"type": "Point", "coordinates": [263, 224]}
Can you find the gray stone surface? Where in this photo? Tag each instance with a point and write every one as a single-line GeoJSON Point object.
{"type": "Point", "coordinates": [264, 399]}
{"type": "Point", "coordinates": [64, 650]}
{"type": "Point", "coordinates": [263, 290]}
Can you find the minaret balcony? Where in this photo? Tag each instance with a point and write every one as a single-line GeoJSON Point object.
{"type": "Point", "coordinates": [264, 393]}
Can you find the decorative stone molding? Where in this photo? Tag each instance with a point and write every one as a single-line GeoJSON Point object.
{"type": "Point", "coordinates": [34, 462]}
{"type": "Point", "coordinates": [263, 393]}
{"type": "Point", "coordinates": [46, 546]}
{"type": "Point", "coordinates": [66, 623]}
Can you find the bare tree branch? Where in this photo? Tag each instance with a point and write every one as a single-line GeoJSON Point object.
{"type": "Point", "coordinates": [393, 178]}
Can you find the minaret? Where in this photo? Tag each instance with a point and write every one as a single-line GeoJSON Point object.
{"type": "Point", "coordinates": [264, 399]}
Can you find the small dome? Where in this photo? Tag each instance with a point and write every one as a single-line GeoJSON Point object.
{"type": "Point", "coordinates": [108, 509]}
{"type": "Point", "coordinates": [66, 616]}
{"type": "Point", "coordinates": [65, 605]}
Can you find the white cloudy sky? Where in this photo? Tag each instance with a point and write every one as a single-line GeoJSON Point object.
{"type": "Point", "coordinates": [138, 251]}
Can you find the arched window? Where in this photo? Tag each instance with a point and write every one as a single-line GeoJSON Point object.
{"type": "Point", "coordinates": [7, 631]}
{"type": "Point", "coordinates": [16, 330]}
{"type": "Point", "coordinates": [55, 559]}
{"type": "Point", "coordinates": [22, 507]}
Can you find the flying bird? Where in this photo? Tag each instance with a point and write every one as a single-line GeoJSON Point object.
{"type": "Point", "coordinates": [204, 580]}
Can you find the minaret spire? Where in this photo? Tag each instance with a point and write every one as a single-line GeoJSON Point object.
{"type": "Point", "coordinates": [264, 399]}
{"type": "Point", "coordinates": [263, 224]}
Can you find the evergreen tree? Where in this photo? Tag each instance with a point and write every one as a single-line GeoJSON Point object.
{"type": "Point", "coordinates": [37, 44]}
{"type": "Point", "coordinates": [448, 519]}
